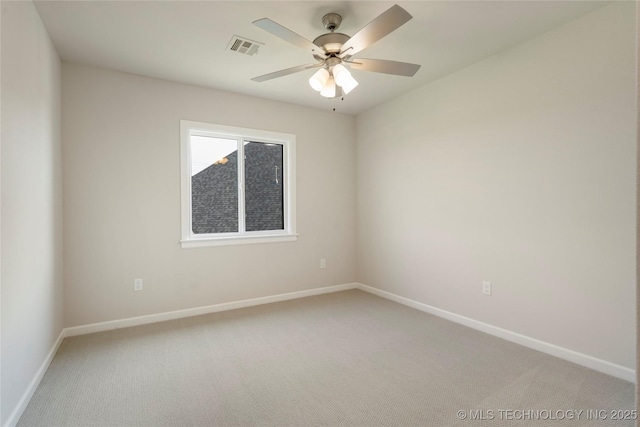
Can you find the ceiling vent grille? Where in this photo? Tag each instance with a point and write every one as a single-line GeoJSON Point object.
{"type": "Point", "coordinates": [244, 46]}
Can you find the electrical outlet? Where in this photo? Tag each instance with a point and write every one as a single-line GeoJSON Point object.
{"type": "Point", "coordinates": [323, 263]}
{"type": "Point", "coordinates": [137, 284]}
{"type": "Point", "coordinates": [486, 287]}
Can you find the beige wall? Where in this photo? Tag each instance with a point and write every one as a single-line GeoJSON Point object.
{"type": "Point", "coordinates": [122, 199]}
{"type": "Point", "coordinates": [31, 224]}
{"type": "Point", "coordinates": [519, 170]}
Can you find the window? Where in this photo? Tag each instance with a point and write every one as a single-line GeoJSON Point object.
{"type": "Point", "coordinates": [238, 185]}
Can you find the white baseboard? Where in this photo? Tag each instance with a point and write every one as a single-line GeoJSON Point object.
{"type": "Point", "coordinates": [179, 314]}
{"type": "Point", "coordinates": [582, 359]}
{"type": "Point", "coordinates": [33, 385]}
{"type": "Point", "coordinates": [554, 350]}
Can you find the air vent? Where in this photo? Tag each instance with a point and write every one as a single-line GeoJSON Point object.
{"type": "Point", "coordinates": [244, 46]}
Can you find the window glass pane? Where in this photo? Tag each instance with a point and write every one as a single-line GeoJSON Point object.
{"type": "Point", "coordinates": [264, 184]}
{"type": "Point", "coordinates": [214, 185]}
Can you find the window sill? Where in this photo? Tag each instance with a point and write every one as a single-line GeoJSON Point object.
{"type": "Point", "coordinates": [237, 240]}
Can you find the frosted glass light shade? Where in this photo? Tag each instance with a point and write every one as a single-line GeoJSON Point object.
{"type": "Point", "coordinates": [341, 74]}
{"type": "Point", "coordinates": [329, 89]}
{"type": "Point", "coordinates": [343, 78]}
{"type": "Point", "coordinates": [349, 85]}
{"type": "Point", "coordinates": [319, 79]}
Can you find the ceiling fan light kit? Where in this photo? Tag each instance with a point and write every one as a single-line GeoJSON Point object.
{"type": "Point", "coordinates": [333, 50]}
{"type": "Point", "coordinates": [324, 81]}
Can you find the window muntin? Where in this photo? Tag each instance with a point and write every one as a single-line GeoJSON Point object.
{"type": "Point", "coordinates": [238, 185]}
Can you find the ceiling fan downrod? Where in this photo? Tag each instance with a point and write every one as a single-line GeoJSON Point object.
{"type": "Point", "coordinates": [331, 21]}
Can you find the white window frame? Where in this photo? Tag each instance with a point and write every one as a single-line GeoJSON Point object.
{"type": "Point", "coordinates": [288, 142]}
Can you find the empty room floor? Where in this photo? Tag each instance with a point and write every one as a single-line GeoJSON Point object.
{"type": "Point", "coordinates": [341, 359]}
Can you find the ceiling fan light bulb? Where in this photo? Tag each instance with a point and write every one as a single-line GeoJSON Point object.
{"type": "Point", "coordinates": [319, 79]}
{"type": "Point", "coordinates": [349, 85]}
{"type": "Point", "coordinates": [341, 74]}
{"type": "Point", "coordinates": [329, 89]}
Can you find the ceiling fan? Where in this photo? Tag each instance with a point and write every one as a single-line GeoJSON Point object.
{"type": "Point", "coordinates": [332, 50]}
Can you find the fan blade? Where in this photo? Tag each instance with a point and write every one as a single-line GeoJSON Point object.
{"type": "Point", "coordinates": [388, 21]}
{"type": "Point", "coordinates": [286, 72]}
{"type": "Point", "coordinates": [289, 36]}
{"type": "Point", "coordinates": [384, 66]}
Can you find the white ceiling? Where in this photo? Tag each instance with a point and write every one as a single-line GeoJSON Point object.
{"type": "Point", "coordinates": [186, 41]}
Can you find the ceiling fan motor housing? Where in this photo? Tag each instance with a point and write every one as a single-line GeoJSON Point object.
{"type": "Point", "coordinates": [330, 43]}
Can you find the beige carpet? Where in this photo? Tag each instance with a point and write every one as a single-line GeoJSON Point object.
{"type": "Point", "coordinates": [342, 359]}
